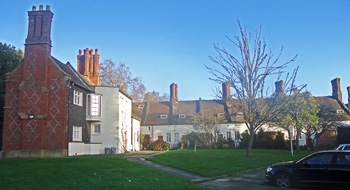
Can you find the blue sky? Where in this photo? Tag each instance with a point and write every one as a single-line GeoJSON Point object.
{"type": "Point", "coordinates": [170, 41]}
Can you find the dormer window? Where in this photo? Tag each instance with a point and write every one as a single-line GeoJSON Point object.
{"type": "Point", "coordinates": [140, 106]}
{"type": "Point", "coordinates": [163, 116]}
{"type": "Point", "coordinates": [340, 111]}
{"type": "Point", "coordinates": [220, 115]}
{"type": "Point", "coordinates": [182, 116]}
{"type": "Point", "coordinates": [239, 114]}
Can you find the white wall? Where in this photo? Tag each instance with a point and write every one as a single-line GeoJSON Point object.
{"type": "Point", "coordinates": [125, 105]}
{"type": "Point", "coordinates": [110, 115]}
{"type": "Point", "coordinates": [161, 130]}
{"type": "Point", "coordinates": [136, 124]}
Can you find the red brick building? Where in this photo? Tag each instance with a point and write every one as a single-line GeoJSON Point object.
{"type": "Point", "coordinates": [39, 94]}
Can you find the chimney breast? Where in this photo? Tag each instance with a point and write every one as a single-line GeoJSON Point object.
{"type": "Point", "coordinates": [226, 94]}
{"type": "Point", "coordinates": [279, 86]}
{"type": "Point", "coordinates": [336, 92]}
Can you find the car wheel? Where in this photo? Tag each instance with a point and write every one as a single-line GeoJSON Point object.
{"type": "Point", "coordinates": [284, 180]}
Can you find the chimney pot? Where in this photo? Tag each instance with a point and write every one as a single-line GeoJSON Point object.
{"type": "Point", "coordinates": [96, 51]}
{"type": "Point", "coordinates": [41, 7]}
{"type": "Point", "coordinates": [47, 7]}
{"type": "Point", "coordinates": [79, 51]}
{"type": "Point", "coordinates": [34, 8]}
{"type": "Point", "coordinates": [91, 51]}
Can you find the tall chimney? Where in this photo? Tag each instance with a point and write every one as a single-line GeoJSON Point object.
{"type": "Point", "coordinates": [279, 87]}
{"type": "Point", "coordinates": [88, 65]}
{"type": "Point", "coordinates": [173, 93]}
{"type": "Point", "coordinates": [226, 94]}
{"type": "Point", "coordinates": [39, 30]}
{"type": "Point", "coordinates": [336, 92]}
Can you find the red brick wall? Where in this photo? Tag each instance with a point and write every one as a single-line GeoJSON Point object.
{"type": "Point", "coordinates": [37, 86]}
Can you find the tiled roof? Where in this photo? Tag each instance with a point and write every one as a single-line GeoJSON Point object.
{"type": "Point", "coordinates": [151, 111]}
{"type": "Point", "coordinates": [69, 70]}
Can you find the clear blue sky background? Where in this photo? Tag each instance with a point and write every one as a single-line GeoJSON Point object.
{"type": "Point", "coordinates": [170, 41]}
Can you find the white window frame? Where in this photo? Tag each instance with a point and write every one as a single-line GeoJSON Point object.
{"type": "Point", "coordinates": [177, 137]}
{"type": "Point", "coordinates": [340, 111]}
{"type": "Point", "coordinates": [168, 137]}
{"type": "Point", "coordinates": [182, 116]}
{"type": "Point", "coordinates": [95, 127]}
{"type": "Point", "coordinates": [220, 115]}
{"type": "Point", "coordinates": [140, 106]}
{"type": "Point", "coordinates": [163, 116]}
{"type": "Point", "coordinates": [78, 98]}
{"type": "Point", "coordinates": [77, 133]}
{"type": "Point", "coordinates": [239, 114]}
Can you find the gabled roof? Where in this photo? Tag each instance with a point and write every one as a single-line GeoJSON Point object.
{"type": "Point", "coordinates": [69, 70]}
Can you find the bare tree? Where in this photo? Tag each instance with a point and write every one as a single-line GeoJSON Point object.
{"type": "Point", "coordinates": [209, 125]}
{"type": "Point", "coordinates": [154, 96]}
{"type": "Point", "coordinates": [112, 74]}
{"type": "Point", "coordinates": [247, 75]}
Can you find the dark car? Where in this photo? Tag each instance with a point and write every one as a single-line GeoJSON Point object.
{"type": "Point", "coordinates": [321, 169]}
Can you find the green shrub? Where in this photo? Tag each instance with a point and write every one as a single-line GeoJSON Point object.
{"type": "Point", "coordinates": [279, 141]}
{"type": "Point", "coordinates": [222, 141]}
{"type": "Point", "coordinates": [165, 146]}
{"type": "Point", "coordinates": [225, 146]}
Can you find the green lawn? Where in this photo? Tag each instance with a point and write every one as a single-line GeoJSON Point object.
{"type": "Point", "coordinates": [85, 173]}
{"type": "Point", "coordinates": [213, 163]}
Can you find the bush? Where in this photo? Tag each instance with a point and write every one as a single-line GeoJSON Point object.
{"type": "Point", "coordinates": [222, 141]}
{"type": "Point", "coordinates": [279, 141]}
{"type": "Point", "coordinates": [165, 146]}
{"type": "Point", "coordinates": [225, 146]}
{"type": "Point", "coordinates": [159, 145]}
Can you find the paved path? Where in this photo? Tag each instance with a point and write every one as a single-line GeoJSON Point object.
{"type": "Point", "coordinates": [247, 181]}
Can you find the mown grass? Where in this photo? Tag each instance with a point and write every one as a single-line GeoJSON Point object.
{"type": "Point", "coordinates": [85, 173]}
{"type": "Point", "coordinates": [213, 163]}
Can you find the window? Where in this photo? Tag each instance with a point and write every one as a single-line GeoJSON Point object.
{"type": "Point", "coordinates": [160, 138]}
{"type": "Point", "coordinates": [177, 137]}
{"type": "Point", "coordinates": [228, 135]}
{"type": "Point", "coordinates": [220, 115]}
{"type": "Point", "coordinates": [140, 106]}
{"type": "Point", "coordinates": [239, 114]}
{"type": "Point", "coordinates": [343, 158]}
{"type": "Point", "coordinates": [340, 111]}
{"type": "Point", "coordinates": [97, 129]}
{"type": "Point", "coordinates": [196, 127]}
{"type": "Point", "coordinates": [320, 159]}
{"type": "Point", "coordinates": [182, 116]}
{"type": "Point", "coordinates": [163, 116]}
{"type": "Point", "coordinates": [94, 105]}
{"type": "Point", "coordinates": [77, 133]}
{"type": "Point", "coordinates": [78, 98]}
{"type": "Point", "coordinates": [168, 137]}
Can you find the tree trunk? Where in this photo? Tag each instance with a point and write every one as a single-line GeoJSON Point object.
{"type": "Point", "coordinates": [297, 140]}
{"type": "Point", "coordinates": [250, 143]}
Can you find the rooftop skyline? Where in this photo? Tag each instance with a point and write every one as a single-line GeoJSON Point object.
{"type": "Point", "coordinates": [171, 41]}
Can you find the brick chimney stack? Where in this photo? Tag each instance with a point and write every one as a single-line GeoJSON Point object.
{"type": "Point", "coordinates": [336, 92]}
{"type": "Point", "coordinates": [279, 87]}
{"type": "Point", "coordinates": [39, 30]}
{"type": "Point", "coordinates": [226, 94]}
{"type": "Point", "coordinates": [173, 94]}
{"type": "Point", "coordinates": [88, 65]}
